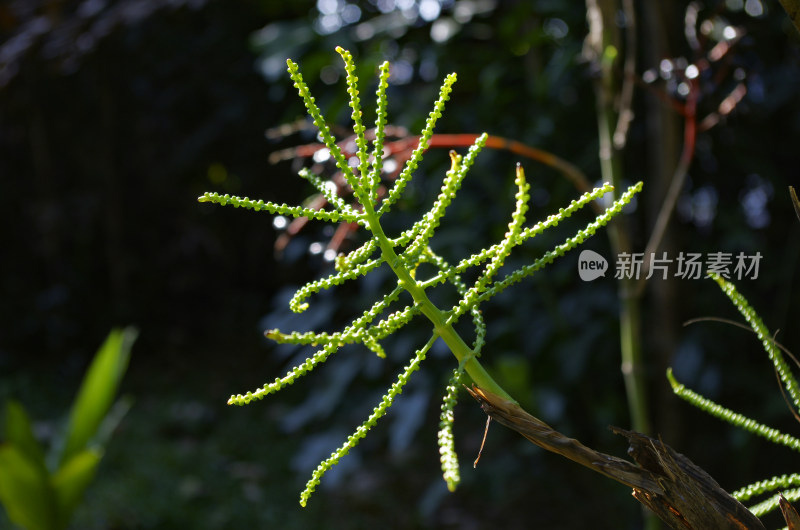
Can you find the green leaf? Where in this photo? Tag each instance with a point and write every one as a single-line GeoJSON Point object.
{"type": "Point", "coordinates": [70, 481]}
{"type": "Point", "coordinates": [25, 491]}
{"type": "Point", "coordinates": [19, 433]}
{"type": "Point", "coordinates": [112, 420]}
{"type": "Point", "coordinates": [97, 391]}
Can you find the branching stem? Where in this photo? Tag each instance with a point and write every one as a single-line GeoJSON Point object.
{"type": "Point", "coordinates": [438, 318]}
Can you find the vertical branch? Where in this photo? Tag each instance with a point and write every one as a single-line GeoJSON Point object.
{"type": "Point", "coordinates": [602, 48]}
{"type": "Point", "coordinates": [628, 77]}
{"type": "Point", "coordinates": [663, 138]}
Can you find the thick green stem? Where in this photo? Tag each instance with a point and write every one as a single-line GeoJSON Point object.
{"type": "Point", "coordinates": [629, 324]}
{"type": "Point", "coordinates": [449, 335]}
{"type": "Point", "coordinates": [605, 45]}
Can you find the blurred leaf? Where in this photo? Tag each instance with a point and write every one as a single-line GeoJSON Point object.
{"type": "Point", "coordinates": [112, 420]}
{"type": "Point", "coordinates": [97, 391]}
{"type": "Point", "coordinates": [71, 480]}
{"type": "Point", "coordinates": [19, 433]}
{"type": "Point", "coordinates": [25, 491]}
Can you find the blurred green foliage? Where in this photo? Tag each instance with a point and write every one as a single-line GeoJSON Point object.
{"type": "Point", "coordinates": [39, 491]}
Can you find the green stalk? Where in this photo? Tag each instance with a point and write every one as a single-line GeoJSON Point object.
{"type": "Point", "coordinates": [606, 53]}
{"type": "Point", "coordinates": [603, 45]}
{"type": "Point", "coordinates": [629, 324]}
{"type": "Point", "coordinates": [443, 329]}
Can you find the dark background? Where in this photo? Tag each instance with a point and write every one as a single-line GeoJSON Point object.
{"type": "Point", "coordinates": [116, 116]}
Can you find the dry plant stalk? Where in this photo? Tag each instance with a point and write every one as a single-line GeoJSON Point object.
{"type": "Point", "coordinates": [790, 514]}
{"type": "Point", "coordinates": [680, 493]}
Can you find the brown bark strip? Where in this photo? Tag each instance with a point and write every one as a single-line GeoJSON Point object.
{"type": "Point", "coordinates": [789, 513]}
{"type": "Point", "coordinates": [679, 492]}
{"type": "Point", "coordinates": [792, 8]}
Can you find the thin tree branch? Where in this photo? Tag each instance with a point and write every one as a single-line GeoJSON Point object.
{"type": "Point", "coordinates": [625, 115]}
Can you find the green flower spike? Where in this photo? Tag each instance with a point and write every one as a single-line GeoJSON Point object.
{"type": "Point", "coordinates": [775, 436]}
{"type": "Point", "coordinates": [447, 445]}
{"type": "Point", "coordinates": [404, 254]}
